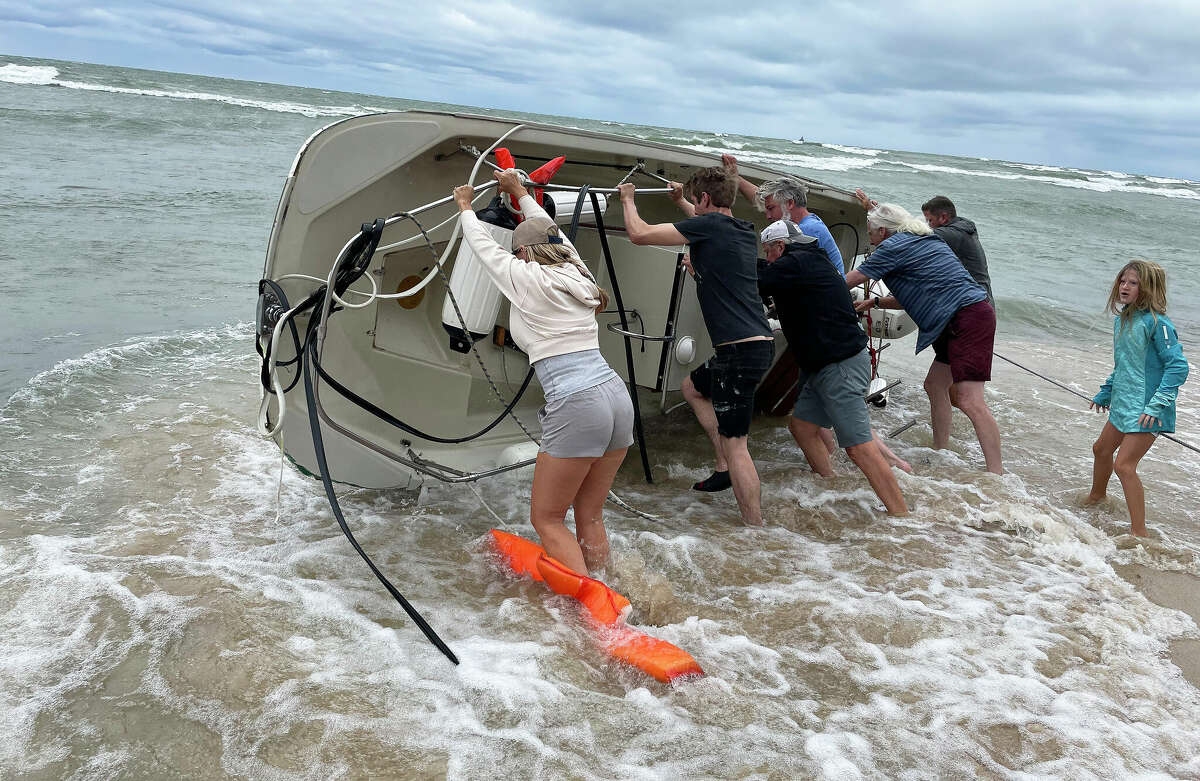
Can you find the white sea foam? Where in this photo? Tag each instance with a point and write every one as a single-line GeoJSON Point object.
{"type": "Point", "coordinates": [1097, 184]}
{"type": "Point", "coordinates": [854, 150]}
{"type": "Point", "coordinates": [988, 625]}
{"type": "Point", "coordinates": [28, 74]}
{"type": "Point", "coordinates": [1032, 167]}
{"type": "Point", "coordinates": [812, 162]}
{"type": "Point", "coordinates": [48, 76]}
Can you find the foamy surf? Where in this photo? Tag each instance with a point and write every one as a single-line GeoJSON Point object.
{"type": "Point", "coordinates": [836, 640]}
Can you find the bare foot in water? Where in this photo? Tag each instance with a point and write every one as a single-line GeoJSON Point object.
{"type": "Point", "coordinates": [1091, 499]}
{"type": "Point", "coordinates": [889, 456]}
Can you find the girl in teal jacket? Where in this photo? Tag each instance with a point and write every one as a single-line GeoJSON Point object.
{"type": "Point", "coordinates": [1139, 395]}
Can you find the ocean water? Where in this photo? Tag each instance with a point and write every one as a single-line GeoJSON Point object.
{"type": "Point", "coordinates": [178, 602]}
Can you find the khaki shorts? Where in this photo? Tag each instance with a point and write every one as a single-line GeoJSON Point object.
{"type": "Point", "coordinates": [588, 423]}
{"type": "Point", "coordinates": [832, 397]}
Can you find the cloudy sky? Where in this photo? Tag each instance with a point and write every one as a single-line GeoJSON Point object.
{"type": "Point", "coordinates": [1094, 84]}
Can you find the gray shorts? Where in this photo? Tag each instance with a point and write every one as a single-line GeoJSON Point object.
{"type": "Point", "coordinates": [588, 423]}
{"type": "Point", "coordinates": [833, 397]}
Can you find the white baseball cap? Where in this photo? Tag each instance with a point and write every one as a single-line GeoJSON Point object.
{"type": "Point", "coordinates": [786, 231]}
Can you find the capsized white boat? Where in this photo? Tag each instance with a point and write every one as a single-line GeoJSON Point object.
{"type": "Point", "coordinates": [367, 207]}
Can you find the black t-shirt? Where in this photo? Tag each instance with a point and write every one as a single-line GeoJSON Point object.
{"type": "Point", "coordinates": [813, 305]}
{"type": "Point", "coordinates": [724, 254]}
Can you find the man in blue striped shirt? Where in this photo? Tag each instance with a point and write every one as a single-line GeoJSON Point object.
{"type": "Point", "coordinates": [952, 312]}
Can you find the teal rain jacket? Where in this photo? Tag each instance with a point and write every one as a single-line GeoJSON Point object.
{"type": "Point", "coordinates": [1148, 369]}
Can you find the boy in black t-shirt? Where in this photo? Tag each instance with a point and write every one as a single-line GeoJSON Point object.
{"type": "Point", "coordinates": [723, 260]}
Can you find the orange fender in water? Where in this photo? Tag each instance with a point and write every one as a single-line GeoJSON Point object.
{"type": "Point", "coordinates": [605, 605]}
{"type": "Point", "coordinates": [656, 657]}
{"type": "Point", "coordinates": [520, 554]}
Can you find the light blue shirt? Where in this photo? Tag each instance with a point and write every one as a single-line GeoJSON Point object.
{"type": "Point", "coordinates": [926, 277]}
{"type": "Point", "coordinates": [813, 226]}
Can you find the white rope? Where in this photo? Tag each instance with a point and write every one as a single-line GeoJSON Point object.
{"type": "Point", "coordinates": [264, 402]}
{"type": "Point", "coordinates": [437, 264]}
{"type": "Point", "coordinates": [479, 496]}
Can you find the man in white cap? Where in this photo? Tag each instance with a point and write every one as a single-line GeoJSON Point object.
{"type": "Point", "coordinates": [818, 318]}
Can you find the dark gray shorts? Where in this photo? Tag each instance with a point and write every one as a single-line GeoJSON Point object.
{"type": "Point", "coordinates": [832, 397]}
{"type": "Point", "coordinates": [729, 380]}
{"type": "Point", "coordinates": [588, 423]}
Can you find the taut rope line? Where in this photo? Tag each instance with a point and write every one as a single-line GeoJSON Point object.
{"type": "Point", "coordinates": [1085, 398]}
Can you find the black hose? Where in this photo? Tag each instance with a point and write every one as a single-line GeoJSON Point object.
{"type": "Point", "coordinates": [327, 482]}
{"type": "Point", "coordinates": [386, 417]}
{"type": "Point", "coordinates": [612, 278]}
{"type": "Point", "coordinates": [265, 370]}
{"type": "Point", "coordinates": [856, 244]}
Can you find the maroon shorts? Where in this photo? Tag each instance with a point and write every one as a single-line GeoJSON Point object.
{"type": "Point", "coordinates": [966, 343]}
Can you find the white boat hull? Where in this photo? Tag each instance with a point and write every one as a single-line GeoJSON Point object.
{"type": "Point", "coordinates": [397, 355]}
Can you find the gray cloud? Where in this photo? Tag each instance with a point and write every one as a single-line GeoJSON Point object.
{"type": "Point", "coordinates": [1096, 84]}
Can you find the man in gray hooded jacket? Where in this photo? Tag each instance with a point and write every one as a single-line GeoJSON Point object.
{"type": "Point", "coordinates": [963, 238]}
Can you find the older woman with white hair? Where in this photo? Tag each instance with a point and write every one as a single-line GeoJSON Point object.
{"type": "Point", "coordinates": [951, 310]}
{"type": "Point", "coordinates": [587, 423]}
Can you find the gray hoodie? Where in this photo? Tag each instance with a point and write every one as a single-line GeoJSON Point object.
{"type": "Point", "coordinates": [963, 238]}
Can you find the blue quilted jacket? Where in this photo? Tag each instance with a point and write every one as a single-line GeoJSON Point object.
{"type": "Point", "coordinates": [1149, 368]}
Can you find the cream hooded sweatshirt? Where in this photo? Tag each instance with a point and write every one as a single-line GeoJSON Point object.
{"type": "Point", "coordinates": [553, 307]}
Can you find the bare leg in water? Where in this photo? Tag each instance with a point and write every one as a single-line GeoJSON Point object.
{"type": "Point", "coordinates": [885, 451]}
{"type": "Point", "coordinates": [1129, 450]}
{"type": "Point", "coordinates": [559, 483]}
{"type": "Point", "coordinates": [702, 407]}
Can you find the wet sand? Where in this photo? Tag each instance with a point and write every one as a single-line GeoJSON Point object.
{"type": "Point", "coordinates": [1176, 590]}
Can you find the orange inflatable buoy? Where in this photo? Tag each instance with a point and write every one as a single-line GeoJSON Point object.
{"type": "Point", "coordinates": [605, 605]}
{"type": "Point", "coordinates": [541, 175]}
{"type": "Point", "coordinates": [656, 657]}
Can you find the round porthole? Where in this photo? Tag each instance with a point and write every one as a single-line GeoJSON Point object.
{"type": "Point", "coordinates": [410, 302]}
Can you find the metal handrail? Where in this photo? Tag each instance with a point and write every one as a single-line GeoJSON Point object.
{"type": "Point", "coordinates": [613, 327]}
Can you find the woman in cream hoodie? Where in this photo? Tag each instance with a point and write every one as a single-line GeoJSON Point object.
{"type": "Point", "coordinates": [587, 422]}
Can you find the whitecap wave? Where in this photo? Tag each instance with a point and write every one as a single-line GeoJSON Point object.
{"type": "Point", "coordinates": [47, 76]}
{"type": "Point", "coordinates": [854, 150]}
{"type": "Point", "coordinates": [1093, 182]}
{"type": "Point", "coordinates": [28, 74]}
{"type": "Point", "coordinates": [777, 159]}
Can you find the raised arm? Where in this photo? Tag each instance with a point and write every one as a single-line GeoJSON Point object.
{"type": "Point", "coordinates": [512, 275]}
{"type": "Point", "coordinates": [749, 191]}
{"type": "Point", "coordinates": [642, 233]}
{"type": "Point", "coordinates": [685, 206]}
{"type": "Point", "coordinates": [867, 203]}
{"type": "Point", "coordinates": [510, 183]}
